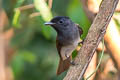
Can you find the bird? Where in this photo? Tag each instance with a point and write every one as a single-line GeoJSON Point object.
{"type": "Point", "coordinates": [67, 40]}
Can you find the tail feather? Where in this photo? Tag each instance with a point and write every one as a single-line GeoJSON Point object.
{"type": "Point", "coordinates": [63, 65]}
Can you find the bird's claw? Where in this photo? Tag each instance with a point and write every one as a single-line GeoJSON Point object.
{"type": "Point", "coordinates": [72, 62]}
{"type": "Point", "coordinates": [81, 42]}
{"type": "Point", "coordinates": [66, 56]}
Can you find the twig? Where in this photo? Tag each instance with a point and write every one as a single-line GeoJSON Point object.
{"type": "Point", "coordinates": [50, 3]}
{"type": "Point", "coordinates": [25, 7]}
{"type": "Point", "coordinates": [34, 14]}
{"type": "Point", "coordinates": [95, 34]}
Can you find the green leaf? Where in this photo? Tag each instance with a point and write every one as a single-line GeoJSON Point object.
{"type": "Point", "coordinates": [16, 18]}
{"type": "Point", "coordinates": [43, 8]}
{"type": "Point", "coordinates": [28, 56]}
{"type": "Point", "coordinates": [19, 3]}
{"type": "Point", "coordinates": [17, 65]}
{"type": "Point", "coordinates": [46, 15]}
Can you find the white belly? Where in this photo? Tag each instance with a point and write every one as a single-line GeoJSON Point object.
{"type": "Point", "coordinates": [66, 51]}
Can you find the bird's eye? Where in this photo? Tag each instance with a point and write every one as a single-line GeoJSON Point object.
{"type": "Point", "coordinates": [60, 21]}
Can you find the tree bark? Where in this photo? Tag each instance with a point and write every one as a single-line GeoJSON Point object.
{"type": "Point", "coordinates": [95, 34]}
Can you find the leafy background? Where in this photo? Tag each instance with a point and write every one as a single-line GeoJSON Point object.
{"type": "Point", "coordinates": [36, 56]}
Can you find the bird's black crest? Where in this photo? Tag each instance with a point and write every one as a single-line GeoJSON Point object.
{"type": "Point", "coordinates": [57, 18]}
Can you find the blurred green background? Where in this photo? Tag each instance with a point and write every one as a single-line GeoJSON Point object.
{"type": "Point", "coordinates": [36, 57]}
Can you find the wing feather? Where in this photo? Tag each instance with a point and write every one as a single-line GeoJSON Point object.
{"type": "Point", "coordinates": [80, 29]}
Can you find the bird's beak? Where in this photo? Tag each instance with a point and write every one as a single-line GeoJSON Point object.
{"type": "Point", "coordinates": [49, 23]}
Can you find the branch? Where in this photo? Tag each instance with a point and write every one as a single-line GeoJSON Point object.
{"type": "Point", "coordinates": [112, 36]}
{"type": "Point", "coordinates": [5, 49]}
{"type": "Point", "coordinates": [91, 67]}
{"type": "Point", "coordinates": [89, 13]}
{"type": "Point", "coordinates": [2, 50]}
{"type": "Point", "coordinates": [95, 34]}
{"type": "Point", "coordinates": [112, 42]}
{"type": "Point", "coordinates": [25, 7]}
{"type": "Point", "coordinates": [99, 48]}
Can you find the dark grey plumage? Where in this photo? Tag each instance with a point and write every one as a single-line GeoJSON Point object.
{"type": "Point", "coordinates": [68, 37]}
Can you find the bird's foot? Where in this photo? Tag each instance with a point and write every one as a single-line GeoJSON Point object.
{"type": "Point", "coordinates": [72, 62]}
{"type": "Point", "coordinates": [67, 56]}
{"type": "Point", "coordinates": [81, 42]}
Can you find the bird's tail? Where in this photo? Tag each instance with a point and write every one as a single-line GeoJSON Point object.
{"type": "Point", "coordinates": [63, 65]}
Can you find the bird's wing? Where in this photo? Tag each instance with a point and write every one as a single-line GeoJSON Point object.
{"type": "Point", "coordinates": [63, 64]}
{"type": "Point", "coordinates": [59, 46]}
{"type": "Point", "coordinates": [80, 29]}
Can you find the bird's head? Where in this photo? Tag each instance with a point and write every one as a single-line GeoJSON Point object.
{"type": "Point", "coordinates": [60, 23]}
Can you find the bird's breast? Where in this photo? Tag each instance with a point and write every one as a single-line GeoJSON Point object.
{"type": "Point", "coordinates": [69, 39]}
